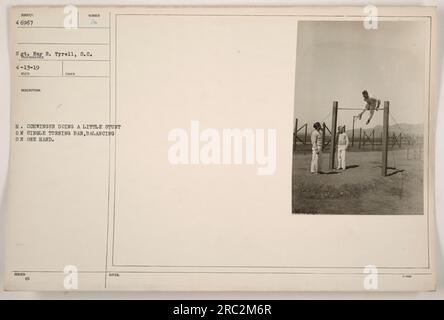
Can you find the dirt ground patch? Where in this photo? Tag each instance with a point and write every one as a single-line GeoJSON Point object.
{"type": "Point", "coordinates": [360, 189]}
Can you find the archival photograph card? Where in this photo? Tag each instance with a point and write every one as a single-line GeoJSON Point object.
{"type": "Point", "coordinates": [221, 149]}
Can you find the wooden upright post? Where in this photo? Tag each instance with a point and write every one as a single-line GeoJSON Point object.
{"type": "Point", "coordinates": [334, 125]}
{"type": "Point", "coordinates": [385, 138]}
{"type": "Point", "coordinates": [295, 134]}
{"type": "Point", "coordinates": [323, 136]}
{"type": "Point", "coordinates": [353, 132]}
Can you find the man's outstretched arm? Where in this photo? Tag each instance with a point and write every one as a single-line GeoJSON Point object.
{"type": "Point", "coordinates": [363, 111]}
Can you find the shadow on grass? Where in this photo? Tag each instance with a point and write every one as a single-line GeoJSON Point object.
{"type": "Point", "coordinates": [352, 166]}
{"type": "Point", "coordinates": [329, 172]}
{"type": "Point", "coordinates": [394, 172]}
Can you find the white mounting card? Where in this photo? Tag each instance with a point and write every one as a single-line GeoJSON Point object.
{"type": "Point", "coordinates": [222, 148]}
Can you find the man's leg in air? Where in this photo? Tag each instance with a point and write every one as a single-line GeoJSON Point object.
{"type": "Point", "coordinates": [378, 104]}
{"type": "Point", "coordinates": [372, 112]}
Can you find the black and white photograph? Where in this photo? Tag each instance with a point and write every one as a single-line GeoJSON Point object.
{"type": "Point", "coordinates": [360, 105]}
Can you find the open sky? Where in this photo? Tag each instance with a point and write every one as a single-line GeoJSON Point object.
{"type": "Point", "coordinates": [338, 60]}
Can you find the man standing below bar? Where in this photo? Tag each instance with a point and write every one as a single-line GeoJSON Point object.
{"type": "Point", "coordinates": [342, 147]}
{"type": "Point", "coordinates": [316, 146]}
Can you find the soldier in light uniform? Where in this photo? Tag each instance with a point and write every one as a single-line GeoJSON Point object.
{"type": "Point", "coordinates": [342, 147]}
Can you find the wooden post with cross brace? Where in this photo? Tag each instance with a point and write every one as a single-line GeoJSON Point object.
{"type": "Point", "coordinates": [334, 125]}
{"type": "Point", "coordinates": [385, 138]}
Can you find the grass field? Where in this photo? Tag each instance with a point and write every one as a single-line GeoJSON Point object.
{"type": "Point", "coordinates": [360, 189]}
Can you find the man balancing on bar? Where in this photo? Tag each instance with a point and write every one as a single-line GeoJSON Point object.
{"type": "Point", "coordinates": [372, 106]}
